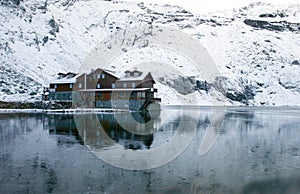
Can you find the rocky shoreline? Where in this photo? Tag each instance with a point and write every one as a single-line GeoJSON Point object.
{"type": "Point", "coordinates": [35, 105]}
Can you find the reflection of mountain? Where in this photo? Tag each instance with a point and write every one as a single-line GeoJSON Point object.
{"type": "Point", "coordinates": [14, 125]}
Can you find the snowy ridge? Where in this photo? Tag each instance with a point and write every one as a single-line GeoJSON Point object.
{"type": "Point", "coordinates": [256, 48]}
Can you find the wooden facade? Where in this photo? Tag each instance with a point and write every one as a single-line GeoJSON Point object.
{"type": "Point", "coordinates": [62, 87]}
{"type": "Point", "coordinates": [97, 79]}
{"type": "Point", "coordinates": [64, 83]}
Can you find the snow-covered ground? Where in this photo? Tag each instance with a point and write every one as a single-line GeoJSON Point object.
{"type": "Point", "coordinates": [20, 111]}
{"type": "Point", "coordinates": [255, 50]}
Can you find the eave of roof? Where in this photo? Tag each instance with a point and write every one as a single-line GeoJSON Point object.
{"type": "Point", "coordinates": [64, 81]}
{"type": "Point", "coordinates": [139, 78]}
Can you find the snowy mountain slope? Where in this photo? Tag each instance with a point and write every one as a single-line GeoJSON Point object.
{"type": "Point", "coordinates": [256, 48]}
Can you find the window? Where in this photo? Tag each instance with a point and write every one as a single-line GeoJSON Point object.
{"type": "Point", "coordinates": [103, 75]}
{"type": "Point", "coordinates": [124, 85]}
{"type": "Point", "coordinates": [98, 76]}
{"type": "Point", "coordinates": [120, 94]}
{"type": "Point", "coordinates": [80, 85]}
{"type": "Point", "coordinates": [133, 85]}
{"type": "Point", "coordinates": [98, 86]}
{"type": "Point", "coordinates": [55, 86]}
{"type": "Point", "coordinates": [113, 85]}
{"type": "Point", "coordinates": [126, 103]}
{"type": "Point", "coordinates": [71, 86]}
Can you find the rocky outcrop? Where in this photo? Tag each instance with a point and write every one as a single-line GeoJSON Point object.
{"type": "Point", "coordinates": [183, 85]}
{"type": "Point", "coordinates": [240, 90]}
{"type": "Point", "coordinates": [273, 26]}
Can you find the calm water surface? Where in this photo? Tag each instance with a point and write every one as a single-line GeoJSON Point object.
{"type": "Point", "coordinates": [238, 150]}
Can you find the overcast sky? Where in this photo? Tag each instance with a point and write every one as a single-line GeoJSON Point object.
{"type": "Point", "coordinates": [205, 6]}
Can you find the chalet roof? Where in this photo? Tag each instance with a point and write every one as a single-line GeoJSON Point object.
{"type": "Point", "coordinates": [70, 77]}
{"type": "Point", "coordinates": [67, 74]}
{"type": "Point", "coordinates": [110, 72]}
{"type": "Point", "coordinates": [105, 70]}
{"type": "Point", "coordinates": [71, 74]}
{"type": "Point", "coordinates": [142, 76]}
{"type": "Point", "coordinates": [65, 80]}
{"type": "Point", "coordinates": [136, 71]}
{"type": "Point", "coordinates": [128, 71]}
{"type": "Point", "coordinates": [91, 73]}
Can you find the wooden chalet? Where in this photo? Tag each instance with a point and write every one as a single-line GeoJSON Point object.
{"type": "Point", "coordinates": [102, 89]}
{"type": "Point", "coordinates": [60, 89]}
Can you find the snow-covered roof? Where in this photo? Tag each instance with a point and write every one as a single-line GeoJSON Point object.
{"type": "Point", "coordinates": [141, 77]}
{"type": "Point", "coordinates": [65, 80]}
{"type": "Point", "coordinates": [113, 73]}
{"type": "Point", "coordinates": [92, 71]}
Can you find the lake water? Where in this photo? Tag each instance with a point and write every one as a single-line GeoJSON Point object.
{"type": "Point", "coordinates": [177, 150]}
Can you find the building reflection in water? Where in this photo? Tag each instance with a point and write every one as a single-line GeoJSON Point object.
{"type": "Point", "coordinates": [64, 125]}
{"type": "Point", "coordinates": [131, 130]}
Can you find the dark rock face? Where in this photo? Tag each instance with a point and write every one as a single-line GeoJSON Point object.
{"type": "Point", "coordinates": [203, 85]}
{"type": "Point", "coordinates": [183, 85]}
{"type": "Point", "coordinates": [236, 96]}
{"type": "Point", "coordinates": [248, 91]}
{"type": "Point", "coordinates": [5, 90]}
{"type": "Point", "coordinates": [54, 26]}
{"type": "Point", "coordinates": [273, 26]}
{"type": "Point", "coordinates": [16, 2]}
{"type": "Point", "coordinates": [240, 91]}
{"type": "Point", "coordinates": [273, 15]}
{"type": "Point", "coordinates": [243, 97]}
{"type": "Point", "coordinates": [45, 40]}
{"type": "Point", "coordinates": [296, 62]}
{"type": "Point", "coordinates": [10, 2]}
{"type": "Point", "coordinates": [268, 15]}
